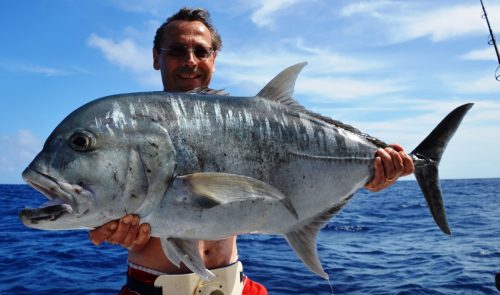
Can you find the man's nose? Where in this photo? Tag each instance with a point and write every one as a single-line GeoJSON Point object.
{"type": "Point", "coordinates": [190, 58]}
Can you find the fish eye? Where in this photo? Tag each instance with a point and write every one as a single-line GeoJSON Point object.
{"type": "Point", "coordinates": [82, 141]}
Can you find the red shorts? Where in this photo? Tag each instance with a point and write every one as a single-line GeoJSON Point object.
{"type": "Point", "coordinates": [253, 288]}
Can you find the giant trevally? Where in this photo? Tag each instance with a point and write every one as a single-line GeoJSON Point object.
{"type": "Point", "coordinates": [205, 166]}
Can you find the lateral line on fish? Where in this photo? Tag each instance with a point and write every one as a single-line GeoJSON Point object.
{"type": "Point", "coordinates": [333, 158]}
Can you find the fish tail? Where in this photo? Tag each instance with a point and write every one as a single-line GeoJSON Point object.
{"type": "Point", "coordinates": [426, 158]}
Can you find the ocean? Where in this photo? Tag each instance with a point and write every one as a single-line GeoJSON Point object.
{"type": "Point", "coordinates": [381, 243]}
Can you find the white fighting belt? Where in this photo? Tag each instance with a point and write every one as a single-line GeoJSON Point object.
{"type": "Point", "coordinates": [228, 281]}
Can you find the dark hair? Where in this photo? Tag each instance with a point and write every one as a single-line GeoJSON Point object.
{"type": "Point", "coordinates": [190, 14]}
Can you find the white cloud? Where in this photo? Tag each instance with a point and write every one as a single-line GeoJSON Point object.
{"type": "Point", "coordinates": [27, 67]}
{"type": "Point", "coordinates": [327, 75]}
{"type": "Point", "coordinates": [46, 71]}
{"type": "Point", "coordinates": [16, 152]}
{"type": "Point", "coordinates": [405, 21]}
{"type": "Point", "coordinates": [125, 53]}
{"type": "Point", "coordinates": [445, 23]}
{"type": "Point", "coordinates": [480, 54]}
{"type": "Point", "coordinates": [476, 85]}
{"type": "Point", "coordinates": [333, 89]}
{"type": "Point", "coordinates": [488, 111]}
{"type": "Point", "coordinates": [367, 8]}
{"type": "Point", "coordinates": [324, 88]}
{"type": "Point", "coordinates": [143, 6]}
{"type": "Point", "coordinates": [129, 56]}
{"type": "Point", "coordinates": [278, 58]}
{"type": "Point", "coordinates": [264, 16]}
{"type": "Point", "coordinates": [284, 53]}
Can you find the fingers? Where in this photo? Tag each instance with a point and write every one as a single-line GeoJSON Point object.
{"type": "Point", "coordinates": [126, 232]}
{"type": "Point", "coordinates": [397, 147]}
{"type": "Point", "coordinates": [378, 177]}
{"type": "Point", "coordinates": [100, 234]}
{"type": "Point", "coordinates": [126, 225]}
{"type": "Point", "coordinates": [408, 167]}
{"type": "Point", "coordinates": [389, 164]}
{"type": "Point", "coordinates": [392, 162]}
{"type": "Point", "coordinates": [408, 164]}
{"type": "Point", "coordinates": [142, 238]}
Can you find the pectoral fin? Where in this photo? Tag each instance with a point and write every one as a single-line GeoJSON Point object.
{"type": "Point", "coordinates": [186, 251]}
{"type": "Point", "coordinates": [206, 190]}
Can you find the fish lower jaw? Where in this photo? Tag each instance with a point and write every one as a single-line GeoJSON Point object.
{"type": "Point", "coordinates": [41, 217]}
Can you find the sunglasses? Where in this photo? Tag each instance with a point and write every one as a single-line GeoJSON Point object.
{"type": "Point", "coordinates": [181, 51]}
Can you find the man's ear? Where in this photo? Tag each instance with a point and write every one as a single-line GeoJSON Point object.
{"type": "Point", "coordinates": [214, 56]}
{"type": "Point", "coordinates": [156, 62]}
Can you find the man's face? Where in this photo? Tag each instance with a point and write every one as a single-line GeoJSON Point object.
{"type": "Point", "coordinates": [184, 73]}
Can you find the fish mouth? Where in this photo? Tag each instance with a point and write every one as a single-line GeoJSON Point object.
{"type": "Point", "coordinates": [62, 198]}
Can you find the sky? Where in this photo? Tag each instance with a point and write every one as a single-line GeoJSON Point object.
{"type": "Point", "coordinates": [393, 69]}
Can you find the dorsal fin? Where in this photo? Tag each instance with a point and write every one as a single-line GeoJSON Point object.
{"type": "Point", "coordinates": [280, 88]}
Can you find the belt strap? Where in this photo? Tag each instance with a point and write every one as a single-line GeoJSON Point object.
{"type": "Point", "coordinates": [229, 280]}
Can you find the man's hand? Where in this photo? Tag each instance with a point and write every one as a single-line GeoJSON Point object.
{"type": "Point", "coordinates": [390, 164]}
{"type": "Point", "coordinates": [126, 232]}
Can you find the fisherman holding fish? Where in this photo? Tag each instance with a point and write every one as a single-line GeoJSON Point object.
{"type": "Point", "coordinates": [185, 49]}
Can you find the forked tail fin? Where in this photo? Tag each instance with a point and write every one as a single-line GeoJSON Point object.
{"type": "Point", "coordinates": [426, 159]}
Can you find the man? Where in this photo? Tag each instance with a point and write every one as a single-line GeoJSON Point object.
{"type": "Point", "coordinates": [185, 49]}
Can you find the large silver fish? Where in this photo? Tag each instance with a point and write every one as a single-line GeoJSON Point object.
{"type": "Point", "coordinates": [203, 166]}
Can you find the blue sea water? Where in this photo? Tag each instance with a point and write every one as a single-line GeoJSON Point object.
{"type": "Point", "coordinates": [381, 243]}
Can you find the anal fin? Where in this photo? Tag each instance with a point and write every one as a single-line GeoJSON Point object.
{"type": "Point", "coordinates": [187, 252]}
{"type": "Point", "coordinates": [303, 239]}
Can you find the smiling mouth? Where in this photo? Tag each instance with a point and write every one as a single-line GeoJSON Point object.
{"type": "Point", "coordinates": [189, 76]}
